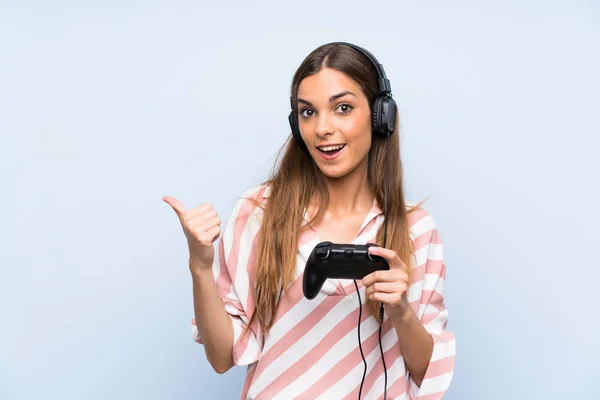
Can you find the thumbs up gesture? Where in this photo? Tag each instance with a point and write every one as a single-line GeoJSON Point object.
{"type": "Point", "coordinates": [202, 227]}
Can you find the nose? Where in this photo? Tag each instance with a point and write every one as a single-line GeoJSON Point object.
{"type": "Point", "coordinates": [324, 125]}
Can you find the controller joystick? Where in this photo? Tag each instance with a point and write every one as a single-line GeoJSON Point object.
{"type": "Point", "coordinates": [322, 250]}
{"type": "Point", "coordinates": [339, 261]}
{"type": "Point", "coordinates": [374, 258]}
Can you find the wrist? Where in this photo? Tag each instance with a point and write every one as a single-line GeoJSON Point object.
{"type": "Point", "coordinates": [401, 314]}
{"type": "Point", "coordinates": [200, 271]}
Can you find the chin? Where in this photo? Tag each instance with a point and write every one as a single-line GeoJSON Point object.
{"type": "Point", "coordinates": [335, 172]}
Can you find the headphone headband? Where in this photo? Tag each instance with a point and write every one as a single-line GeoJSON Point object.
{"type": "Point", "coordinates": [384, 84]}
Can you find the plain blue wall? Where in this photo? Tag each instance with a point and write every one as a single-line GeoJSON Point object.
{"type": "Point", "coordinates": [105, 107]}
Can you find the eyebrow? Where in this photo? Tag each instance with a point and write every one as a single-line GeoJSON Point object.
{"type": "Point", "coordinates": [331, 99]}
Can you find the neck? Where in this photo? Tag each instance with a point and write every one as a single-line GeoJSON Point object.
{"type": "Point", "coordinates": [350, 194]}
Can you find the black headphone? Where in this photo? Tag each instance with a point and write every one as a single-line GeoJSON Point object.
{"type": "Point", "coordinates": [384, 107]}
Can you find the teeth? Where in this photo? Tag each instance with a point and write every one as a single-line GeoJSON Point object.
{"type": "Point", "coordinates": [331, 148]}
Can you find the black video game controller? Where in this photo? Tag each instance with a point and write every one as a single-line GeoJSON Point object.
{"type": "Point", "coordinates": [339, 261]}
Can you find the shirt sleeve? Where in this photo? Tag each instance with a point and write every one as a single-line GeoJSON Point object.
{"type": "Point", "coordinates": [433, 314]}
{"type": "Point", "coordinates": [233, 261]}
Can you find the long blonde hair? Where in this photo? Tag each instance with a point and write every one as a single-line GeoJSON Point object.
{"type": "Point", "coordinates": [295, 181]}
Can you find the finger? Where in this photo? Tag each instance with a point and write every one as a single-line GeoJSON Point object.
{"type": "Point", "coordinates": [390, 255]}
{"type": "Point", "coordinates": [398, 285]}
{"type": "Point", "coordinates": [201, 209]}
{"type": "Point", "coordinates": [201, 218]}
{"type": "Point", "coordinates": [205, 225]}
{"type": "Point", "coordinates": [176, 205]}
{"type": "Point", "coordinates": [383, 252]}
{"type": "Point", "coordinates": [387, 287]}
{"type": "Point", "coordinates": [387, 298]}
{"type": "Point", "coordinates": [205, 233]}
{"type": "Point", "coordinates": [382, 276]}
{"type": "Point", "coordinates": [211, 235]}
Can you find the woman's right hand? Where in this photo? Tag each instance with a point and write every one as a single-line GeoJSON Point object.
{"type": "Point", "coordinates": [202, 227]}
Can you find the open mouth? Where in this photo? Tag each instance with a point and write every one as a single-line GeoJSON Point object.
{"type": "Point", "coordinates": [331, 150]}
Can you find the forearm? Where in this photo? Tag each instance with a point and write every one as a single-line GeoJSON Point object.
{"type": "Point", "coordinates": [415, 342]}
{"type": "Point", "coordinates": [213, 322]}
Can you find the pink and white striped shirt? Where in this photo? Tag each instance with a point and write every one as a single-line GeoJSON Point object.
{"type": "Point", "coordinates": [311, 351]}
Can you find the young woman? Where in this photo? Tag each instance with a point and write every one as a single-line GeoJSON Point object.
{"type": "Point", "coordinates": [328, 186]}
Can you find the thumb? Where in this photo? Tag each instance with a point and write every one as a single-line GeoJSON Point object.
{"type": "Point", "coordinates": [176, 204]}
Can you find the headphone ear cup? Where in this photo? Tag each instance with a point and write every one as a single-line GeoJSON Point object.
{"type": "Point", "coordinates": [293, 119]}
{"type": "Point", "coordinates": [376, 116]}
{"type": "Point", "coordinates": [384, 116]}
{"type": "Point", "coordinates": [388, 114]}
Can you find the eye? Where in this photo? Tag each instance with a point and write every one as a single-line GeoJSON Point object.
{"type": "Point", "coordinates": [345, 108]}
{"type": "Point", "coordinates": [304, 112]}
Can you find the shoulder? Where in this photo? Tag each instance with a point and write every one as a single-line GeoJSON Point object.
{"type": "Point", "coordinates": [256, 193]}
{"type": "Point", "coordinates": [420, 221]}
{"type": "Point", "coordinates": [250, 201]}
{"type": "Point", "coordinates": [245, 218]}
{"type": "Point", "coordinates": [426, 240]}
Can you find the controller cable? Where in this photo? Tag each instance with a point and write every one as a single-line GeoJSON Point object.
{"type": "Point", "coordinates": [385, 221]}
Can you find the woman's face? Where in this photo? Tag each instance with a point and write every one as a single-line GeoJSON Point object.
{"type": "Point", "coordinates": [335, 121]}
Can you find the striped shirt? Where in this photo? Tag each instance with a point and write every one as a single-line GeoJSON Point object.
{"type": "Point", "coordinates": [311, 351]}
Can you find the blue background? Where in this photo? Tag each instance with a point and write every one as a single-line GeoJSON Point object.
{"type": "Point", "coordinates": [107, 106]}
